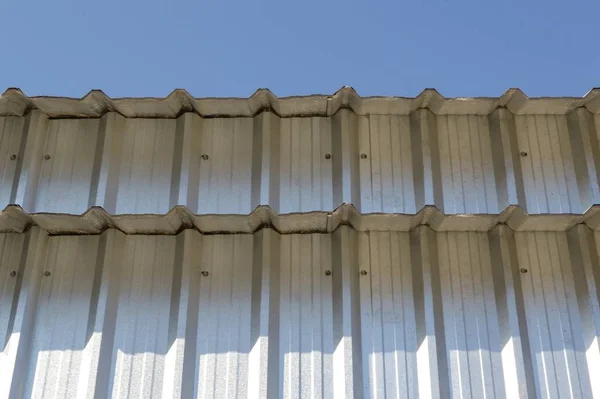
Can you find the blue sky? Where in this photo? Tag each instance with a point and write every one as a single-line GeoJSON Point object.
{"type": "Point", "coordinates": [231, 48]}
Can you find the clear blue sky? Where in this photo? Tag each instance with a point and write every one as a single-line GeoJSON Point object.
{"type": "Point", "coordinates": [231, 48]}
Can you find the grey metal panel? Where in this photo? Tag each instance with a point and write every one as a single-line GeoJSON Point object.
{"type": "Point", "coordinates": [391, 164]}
{"type": "Point", "coordinates": [467, 314]}
{"type": "Point", "coordinates": [12, 130]}
{"type": "Point", "coordinates": [13, 102]}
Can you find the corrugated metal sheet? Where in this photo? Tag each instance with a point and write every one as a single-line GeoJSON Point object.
{"type": "Point", "coordinates": [470, 314]}
{"type": "Point", "coordinates": [383, 155]}
{"type": "Point", "coordinates": [321, 246]}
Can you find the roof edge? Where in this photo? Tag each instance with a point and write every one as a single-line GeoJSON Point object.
{"type": "Point", "coordinates": [13, 102]}
{"type": "Point", "coordinates": [14, 219]}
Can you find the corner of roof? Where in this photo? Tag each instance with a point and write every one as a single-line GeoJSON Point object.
{"type": "Point", "coordinates": [14, 102]}
{"type": "Point", "coordinates": [591, 100]}
{"type": "Point", "coordinates": [98, 102]}
{"type": "Point", "coordinates": [513, 99]}
{"type": "Point", "coordinates": [180, 101]}
{"type": "Point", "coordinates": [180, 92]}
{"type": "Point", "coordinates": [344, 97]}
{"type": "Point", "coordinates": [346, 90]}
{"type": "Point", "coordinates": [261, 91]}
{"type": "Point", "coordinates": [263, 99]}
{"type": "Point", "coordinates": [13, 90]}
{"type": "Point", "coordinates": [430, 99]}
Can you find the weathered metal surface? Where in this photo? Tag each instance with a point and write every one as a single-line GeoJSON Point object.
{"type": "Point", "coordinates": [383, 247]}
{"type": "Point", "coordinates": [454, 154]}
{"type": "Point", "coordinates": [96, 220]}
{"type": "Point", "coordinates": [436, 314]}
{"type": "Point", "coordinates": [96, 103]}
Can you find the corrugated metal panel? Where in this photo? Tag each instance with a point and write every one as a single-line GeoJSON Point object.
{"type": "Point", "coordinates": [447, 246]}
{"type": "Point", "coordinates": [446, 153]}
{"type": "Point", "coordinates": [471, 314]}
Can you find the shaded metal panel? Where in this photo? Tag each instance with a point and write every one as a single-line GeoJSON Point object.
{"type": "Point", "coordinates": [67, 164]}
{"type": "Point", "coordinates": [225, 175]}
{"type": "Point", "coordinates": [381, 163]}
{"type": "Point", "coordinates": [305, 174]}
{"type": "Point", "coordinates": [145, 166]}
{"type": "Point", "coordinates": [12, 131]}
{"type": "Point", "coordinates": [548, 169]}
{"type": "Point", "coordinates": [386, 178]}
{"type": "Point", "coordinates": [131, 166]}
{"type": "Point", "coordinates": [467, 314]}
{"type": "Point", "coordinates": [467, 172]}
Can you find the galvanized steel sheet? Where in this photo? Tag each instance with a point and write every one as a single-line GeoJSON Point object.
{"type": "Point", "coordinates": [347, 314]}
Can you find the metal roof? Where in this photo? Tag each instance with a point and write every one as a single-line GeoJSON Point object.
{"type": "Point", "coordinates": [319, 246]}
{"type": "Point", "coordinates": [509, 160]}
{"type": "Point", "coordinates": [95, 104]}
{"type": "Point", "coordinates": [500, 314]}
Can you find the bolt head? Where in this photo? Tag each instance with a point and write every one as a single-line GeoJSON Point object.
{"type": "Point", "coordinates": [47, 156]}
{"type": "Point", "coordinates": [13, 273]}
{"type": "Point", "coordinates": [13, 157]}
{"type": "Point", "coordinates": [204, 273]}
{"type": "Point", "coordinates": [327, 156]}
{"type": "Point", "coordinates": [363, 155]}
{"type": "Point", "coordinates": [205, 156]}
{"type": "Point", "coordinates": [363, 272]}
{"type": "Point", "coordinates": [523, 153]}
{"type": "Point", "coordinates": [328, 272]}
{"type": "Point", "coordinates": [47, 273]}
{"type": "Point", "coordinates": [523, 270]}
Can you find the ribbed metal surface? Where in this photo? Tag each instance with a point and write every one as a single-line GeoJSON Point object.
{"type": "Point", "coordinates": [468, 314]}
{"type": "Point", "coordinates": [382, 247]}
{"type": "Point", "coordinates": [542, 158]}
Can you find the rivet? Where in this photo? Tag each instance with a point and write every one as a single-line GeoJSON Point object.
{"type": "Point", "coordinates": [47, 156]}
{"type": "Point", "coordinates": [13, 273]}
{"type": "Point", "coordinates": [523, 153]}
{"type": "Point", "coordinates": [13, 157]}
{"type": "Point", "coordinates": [47, 273]}
{"type": "Point", "coordinates": [205, 156]}
{"type": "Point", "coordinates": [328, 156]}
{"type": "Point", "coordinates": [328, 272]}
{"type": "Point", "coordinates": [523, 270]}
{"type": "Point", "coordinates": [204, 273]}
{"type": "Point", "coordinates": [363, 155]}
{"type": "Point", "coordinates": [363, 272]}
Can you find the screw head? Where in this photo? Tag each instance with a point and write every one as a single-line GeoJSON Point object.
{"type": "Point", "coordinates": [363, 155]}
{"type": "Point", "coordinates": [328, 156]}
{"type": "Point", "coordinates": [47, 156]}
{"type": "Point", "coordinates": [523, 270]}
{"type": "Point", "coordinates": [523, 153]}
{"type": "Point", "coordinates": [47, 273]}
{"type": "Point", "coordinates": [205, 156]}
{"type": "Point", "coordinates": [328, 272]}
{"type": "Point", "coordinates": [204, 273]}
{"type": "Point", "coordinates": [13, 273]}
{"type": "Point", "coordinates": [363, 272]}
{"type": "Point", "coordinates": [13, 157]}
